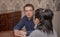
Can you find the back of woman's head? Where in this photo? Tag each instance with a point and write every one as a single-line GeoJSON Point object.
{"type": "Point", "coordinates": [45, 17]}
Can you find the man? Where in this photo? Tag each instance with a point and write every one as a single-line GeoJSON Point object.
{"type": "Point", "coordinates": [26, 21]}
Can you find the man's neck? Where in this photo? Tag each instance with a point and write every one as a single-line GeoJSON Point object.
{"type": "Point", "coordinates": [29, 18]}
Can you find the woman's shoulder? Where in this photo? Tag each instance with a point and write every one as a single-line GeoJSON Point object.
{"type": "Point", "coordinates": [37, 32]}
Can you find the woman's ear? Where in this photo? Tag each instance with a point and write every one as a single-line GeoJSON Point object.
{"type": "Point", "coordinates": [36, 21]}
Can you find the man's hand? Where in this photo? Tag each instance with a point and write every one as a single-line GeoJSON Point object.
{"type": "Point", "coordinates": [20, 33]}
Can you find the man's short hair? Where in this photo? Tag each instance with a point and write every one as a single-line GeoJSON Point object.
{"type": "Point", "coordinates": [29, 5]}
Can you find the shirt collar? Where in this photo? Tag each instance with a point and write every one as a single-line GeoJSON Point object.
{"type": "Point", "coordinates": [30, 19]}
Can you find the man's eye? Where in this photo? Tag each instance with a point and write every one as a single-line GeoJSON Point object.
{"type": "Point", "coordinates": [30, 10]}
{"type": "Point", "coordinates": [26, 10]}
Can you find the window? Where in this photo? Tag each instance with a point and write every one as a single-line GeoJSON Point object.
{"type": "Point", "coordinates": [3, 7]}
{"type": "Point", "coordinates": [17, 7]}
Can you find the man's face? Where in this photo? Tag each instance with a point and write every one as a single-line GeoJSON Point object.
{"type": "Point", "coordinates": [29, 11]}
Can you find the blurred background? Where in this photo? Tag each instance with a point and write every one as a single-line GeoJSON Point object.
{"type": "Point", "coordinates": [11, 11]}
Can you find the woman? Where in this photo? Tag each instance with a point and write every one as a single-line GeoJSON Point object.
{"type": "Point", "coordinates": [44, 24]}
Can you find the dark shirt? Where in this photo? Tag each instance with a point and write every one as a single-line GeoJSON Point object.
{"type": "Point", "coordinates": [29, 25]}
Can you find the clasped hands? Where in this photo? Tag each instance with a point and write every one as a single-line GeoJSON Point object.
{"type": "Point", "coordinates": [20, 33]}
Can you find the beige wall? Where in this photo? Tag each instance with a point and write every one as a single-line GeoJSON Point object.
{"type": "Point", "coordinates": [12, 5]}
{"type": "Point", "coordinates": [56, 22]}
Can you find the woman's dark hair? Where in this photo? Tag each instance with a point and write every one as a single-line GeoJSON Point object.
{"type": "Point", "coordinates": [45, 17]}
{"type": "Point", "coordinates": [29, 5]}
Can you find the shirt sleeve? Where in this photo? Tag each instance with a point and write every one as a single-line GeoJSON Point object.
{"type": "Point", "coordinates": [28, 32]}
{"type": "Point", "coordinates": [36, 33]}
{"type": "Point", "coordinates": [32, 35]}
{"type": "Point", "coordinates": [20, 24]}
